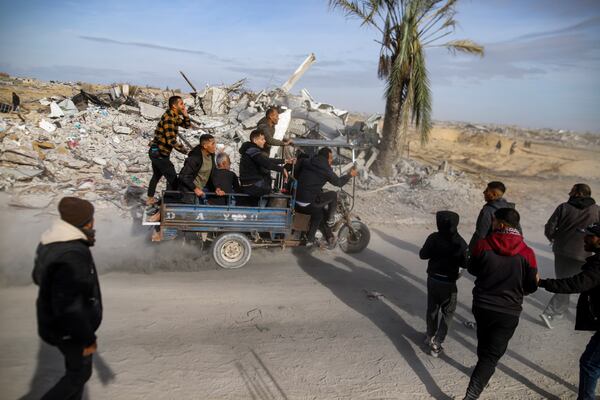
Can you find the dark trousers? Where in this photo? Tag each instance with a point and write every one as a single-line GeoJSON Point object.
{"type": "Point", "coordinates": [255, 191]}
{"type": "Point", "coordinates": [78, 372]}
{"type": "Point", "coordinates": [589, 369]}
{"type": "Point", "coordinates": [162, 166]}
{"type": "Point", "coordinates": [494, 330]}
{"type": "Point", "coordinates": [440, 296]}
{"type": "Point", "coordinates": [321, 210]}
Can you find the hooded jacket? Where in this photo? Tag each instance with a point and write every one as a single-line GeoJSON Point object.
{"type": "Point", "coordinates": [191, 167]}
{"type": "Point", "coordinates": [445, 249]}
{"type": "Point", "coordinates": [587, 282]}
{"type": "Point", "coordinates": [561, 228]}
{"type": "Point", "coordinates": [313, 174]}
{"type": "Point", "coordinates": [255, 164]}
{"type": "Point", "coordinates": [483, 226]}
{"type": "Point", "coordinates": [69, 303]}
{"type": "Point", "coordinates": [505, 269]}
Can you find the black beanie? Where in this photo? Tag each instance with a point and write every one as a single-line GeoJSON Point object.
{"type": "Point", "coordinates": [75, 211]}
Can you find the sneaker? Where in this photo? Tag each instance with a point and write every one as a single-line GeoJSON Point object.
{"type": "Point", "coordinates": [331, 243]}
{"type": "Point", "coordinates": [547, 320]}
{"type": "Point", "coordinates": [435, 349]}
{"type": "Point", "coordinates": [470, 324]}
{"type": "Point", "coordinates": [428, 340]}
{"type": "Point", "coordinates": [154, 218]}
{"type": "Point", "coordinates": [156, 236]}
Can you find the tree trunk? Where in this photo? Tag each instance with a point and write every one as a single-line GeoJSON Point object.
{"type": "Point", "coordinates": [390, 148]}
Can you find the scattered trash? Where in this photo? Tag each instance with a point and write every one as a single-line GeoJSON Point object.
{"type": "Point", "coordinates": [47, 126]}
{"type": "Point", "coordinates": [373, 295]}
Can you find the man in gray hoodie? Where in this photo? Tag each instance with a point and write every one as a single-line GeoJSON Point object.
{"type": "Point", "coordinates": [569, 254]}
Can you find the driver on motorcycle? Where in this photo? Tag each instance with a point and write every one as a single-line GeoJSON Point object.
{"type": "Point", "coordinates": [313, 173]}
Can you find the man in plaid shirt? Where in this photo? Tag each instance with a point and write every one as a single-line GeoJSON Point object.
{"type": "Point", "coordinates": [165, 140]}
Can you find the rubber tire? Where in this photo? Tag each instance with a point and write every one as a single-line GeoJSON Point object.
{"type": "Point", "coordinates": [360, 244]}
{"type": "Point", "coordinates": [221, 241]}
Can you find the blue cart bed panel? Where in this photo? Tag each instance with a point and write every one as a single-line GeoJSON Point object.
{"type": "Point", "coordinates": [206, 218]}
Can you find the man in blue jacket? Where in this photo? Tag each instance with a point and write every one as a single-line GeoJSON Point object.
{"type": "Point", "coordinates": [69, 304]}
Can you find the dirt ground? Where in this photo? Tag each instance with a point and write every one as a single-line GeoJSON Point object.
{"type": "Point", "coordinates": [295, 324]}
{"type": "Point", "coordinates": [292, 324]}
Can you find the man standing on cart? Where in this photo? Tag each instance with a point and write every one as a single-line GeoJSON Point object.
{"type": "Point", "coordinates": [164, 141]}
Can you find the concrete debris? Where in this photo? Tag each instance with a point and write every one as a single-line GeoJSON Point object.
{"type": "Point", "coordinates": [68, 107]}
{"type": "Point", "coordinates": [55, 111]}
{"type": "Point", "coordinates": [151, 112]}
{"type": "Point", "coordinates": [122, 130]}
{"type": "Point", "coordinates": [215, 101]}
{"type": "Point", "coordinates": [96, 144]}
{"type": "Point", "coordinates": [125, 109]}
{"type": "Point", "coordinates": [31, 201]}
{"type": "Point", "coordinates": [289, 84]}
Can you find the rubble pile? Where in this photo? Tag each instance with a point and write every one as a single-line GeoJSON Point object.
{"type": "Point", "coordinates": [417, 192]}
{"type": "Point", "coordinates": [94, 145]}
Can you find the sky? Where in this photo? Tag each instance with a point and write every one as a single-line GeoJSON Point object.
{"type": "Point", "coordinates": [541, 68]}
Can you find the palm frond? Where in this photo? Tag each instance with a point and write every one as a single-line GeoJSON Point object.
{"type": "Point", "coordinates": [354, 9]}
{"type": "Point", "coordinates": [464, 46]}
{"type": "Point", "coordinates": [421, 107]}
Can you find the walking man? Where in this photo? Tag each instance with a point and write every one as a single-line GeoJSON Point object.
{"type": "Point", "coordinates": [569, 255]}
{"type": "Point", "coordinates": [69, 304]}
{"type": "Point", "coordinates": [587, 282]}
{"type": "Point", "coordinates": [505, 269]}
{"type": "Point", "coordinates": [494, 200]}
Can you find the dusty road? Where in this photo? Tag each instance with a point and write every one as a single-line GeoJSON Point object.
{"type": "Point", "coordinates": [290, 325]}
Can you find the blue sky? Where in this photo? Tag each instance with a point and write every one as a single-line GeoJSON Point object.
{"type": "Point", "coordinates": [542, 67]}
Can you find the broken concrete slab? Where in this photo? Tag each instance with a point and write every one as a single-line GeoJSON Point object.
{"type": "Point", "coordinates": [215, 101]}
{"type": "Point", "coordinates": [36, 201]}
{"type": "Point", "coordinates": [68, 107]}
{"type": "Point", "coordinates": [151, 112]}
{"type": "Point", "coordinates": [252, 122]}
{"type": "Point", "coordinates": [21, 173]}
{"type": "Point", "coordinates": [281, 129]}
{"type": "Point", "coordinates": [130, 110]}
{"type": "Point", "coordinates": [99, 161]}
{"type": "Point", "coordinates": [55, 111]}
{"type": "Point", "coordinates": [122, 130]}
{"type": "Point", "coordinates": [289, 84]}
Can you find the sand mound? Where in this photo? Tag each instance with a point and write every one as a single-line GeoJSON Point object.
{"type": "Point", "coordinates": [585, 169]}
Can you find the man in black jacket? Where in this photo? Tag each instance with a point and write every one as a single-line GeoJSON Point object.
{"type": "Point", "coordinates": [569, 255]}
{"type": "Point", "coordinates": [313, 174]}
{"type": "Point", "coordinates": [69, 304]}
{"type": "Point", "coordinates": [224, 179]}
{"type": "Point", "coordinates": [198, 166]}
{"type": "Point", "coordinates": [493, 195]}
{"type": "Point", "coordinates": [587, 282]}
{"type": "Point", "coordinates": [255, 167]}
{"type": "Point", "coordinates": [505, 269]}
{"type": "Point", "coordinates": [447, 252]}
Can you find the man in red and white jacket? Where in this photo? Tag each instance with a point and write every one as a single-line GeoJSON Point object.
{"type": "Point", "coordinates": [505, 269]}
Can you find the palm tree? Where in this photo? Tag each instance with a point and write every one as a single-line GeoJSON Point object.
{"type": "Point", "coordinates": [407, 28]}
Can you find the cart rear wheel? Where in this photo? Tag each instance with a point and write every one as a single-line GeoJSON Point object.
{"type": "Point", "coordinates": [357, 242]}
{"type": "Point", "coordinates": [231, 250]}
